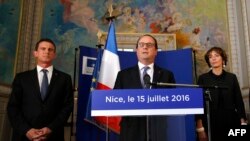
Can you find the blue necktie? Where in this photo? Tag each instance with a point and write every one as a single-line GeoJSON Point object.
{"type": "Point", "coordinates": [45, 84]}
{"type": "Point", "coordinates": [146, 77]}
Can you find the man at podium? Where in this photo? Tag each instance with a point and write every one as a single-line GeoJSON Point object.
{"type": "Point", "coordinates": [143, 128]}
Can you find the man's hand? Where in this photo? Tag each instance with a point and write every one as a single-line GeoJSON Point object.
{"type": "Point", "coordinates": [44, 132]}
{"type": "Point", "coordinates": [33, 134]}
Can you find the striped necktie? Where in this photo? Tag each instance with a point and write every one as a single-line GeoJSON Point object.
{"type": "Point", "coordinates": [146, 77]}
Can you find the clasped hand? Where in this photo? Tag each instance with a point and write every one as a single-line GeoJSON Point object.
{"type": "Point", "coordinates": [38, 134]}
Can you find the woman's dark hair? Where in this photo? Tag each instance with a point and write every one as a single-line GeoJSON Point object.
{"type": "Point", "coordinates": [218, 50]}
{"type": "Point", "coordinates": [156, 44]}
{"type": "Point", "coordinates": [45, 40]}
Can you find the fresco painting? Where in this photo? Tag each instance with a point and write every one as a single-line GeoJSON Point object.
{"type": "Point", "coordinates": [197, 24]}
{"type": "Point", "coordinates": [71, 23]}
{"type": "Point", "coordinates": [9, 24]}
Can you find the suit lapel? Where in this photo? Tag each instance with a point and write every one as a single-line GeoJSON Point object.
{"type": "Point", "coordinates": [137, 79]}
{"type": "Point", "coordinates": [136, 76]}
{"type": "Point", "coordinates": [35, 82]}
{"type": "Point", "coordinates": [53, 80]}
{"type": "Point", "coordinates": [157, 73]}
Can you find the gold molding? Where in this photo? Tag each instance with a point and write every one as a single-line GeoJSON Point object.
{"type": "Point", "coordinates": [128, 40]}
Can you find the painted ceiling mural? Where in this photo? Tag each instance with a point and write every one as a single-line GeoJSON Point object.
{"type": "Point", "coordinates": [9, 20]}
{"type": "Point", "coordinates": [199, 24]}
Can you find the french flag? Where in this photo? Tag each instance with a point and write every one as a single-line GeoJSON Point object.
{"type": "Point", "coordinates": [110, 66]}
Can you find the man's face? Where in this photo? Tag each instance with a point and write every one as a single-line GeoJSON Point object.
{"type": "Point", "coordinates": [45, 53]}
{"type": "Point", "coordinates": [146, 50]}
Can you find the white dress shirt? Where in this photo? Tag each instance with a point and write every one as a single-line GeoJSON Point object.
{"type": "Point", "coordinates": [40, 74]}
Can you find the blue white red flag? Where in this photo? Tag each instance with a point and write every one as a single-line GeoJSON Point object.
{"type": "Point", "coordinates": [110, 66]}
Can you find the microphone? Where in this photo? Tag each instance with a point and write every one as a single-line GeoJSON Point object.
{"type": "Point", "coordinates": [188, 85]}
{"type": "Point", "coordinates": [146, 79]}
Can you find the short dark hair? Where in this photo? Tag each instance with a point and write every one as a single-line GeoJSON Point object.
{"type": "Point", "coordinates": [156, 44]}
{"type": "Point", "coordinates": [45, 40]}
{"type": "Point", "coordinates": [218, 50]}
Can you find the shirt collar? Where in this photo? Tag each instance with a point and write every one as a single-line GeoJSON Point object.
{"type": "Point", "coordinates": [39, 68]}
{"type": "Point", "coordinates": [142, 65]}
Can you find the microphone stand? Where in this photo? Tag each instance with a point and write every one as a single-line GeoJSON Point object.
{"type": "Point", "coordinates": [147, 85]}
{"type": "Point", "coordinates": [110, 19]}
{"type": "Point", "coordinates": [206, 93]}
{"type": "Point", "coordinates": [147, 126]}
{"type": "Point", "coordinates": [208, 100]}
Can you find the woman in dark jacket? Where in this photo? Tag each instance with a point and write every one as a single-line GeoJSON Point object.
{"type": "Point", "coordinates": [226, 106]}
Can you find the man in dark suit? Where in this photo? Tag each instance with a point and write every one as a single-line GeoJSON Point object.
{"type": "Point", "coordinates": [39, 107]}
{"type": "Point", "coordinates": [143, 128]}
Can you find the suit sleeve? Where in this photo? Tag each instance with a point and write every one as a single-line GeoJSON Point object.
{"type": "Point", "coordinates": [14, 108]}
{"type": "Point", "coordinates": [172, 79]}
{"type": "Point", "coordinates": [239, 104]}
{"type": "Point", "coordinates": [118, 84]}
{"type": "Point", "coordinates": [67, 107]}
{"type": "Point", "coordinates": [166, 77]}
{"type": "Point", "coordinates": [201, 116]}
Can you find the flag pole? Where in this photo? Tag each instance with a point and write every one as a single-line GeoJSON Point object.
{"type": "Point", "coordinates": [109, 68]}
{"type": "Point", "coordinates": [75, 89]}
{"type": "Point", "coordinates": [99, 47]}
{"type": "Point", "coordinates": [109, 19]}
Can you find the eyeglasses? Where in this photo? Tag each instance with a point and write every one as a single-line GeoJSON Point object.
{"type": "Point", "coordinates": [148, 45]}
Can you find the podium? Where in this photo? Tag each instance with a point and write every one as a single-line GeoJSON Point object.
{"type": "Point", "coordinates": [173, 103]}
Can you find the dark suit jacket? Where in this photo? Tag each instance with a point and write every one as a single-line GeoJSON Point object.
{"type": "Point", "coordinates": [27, 110]}
{"type": "Point", "coordinates": [134, 128]}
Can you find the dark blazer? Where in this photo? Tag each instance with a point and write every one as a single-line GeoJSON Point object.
{"type": "Point", "coordinates": [226, 106]}
{"type": "Point", "coordinates": [134, 128]}
{"type": "Point", "coordinates": [27, 110]}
